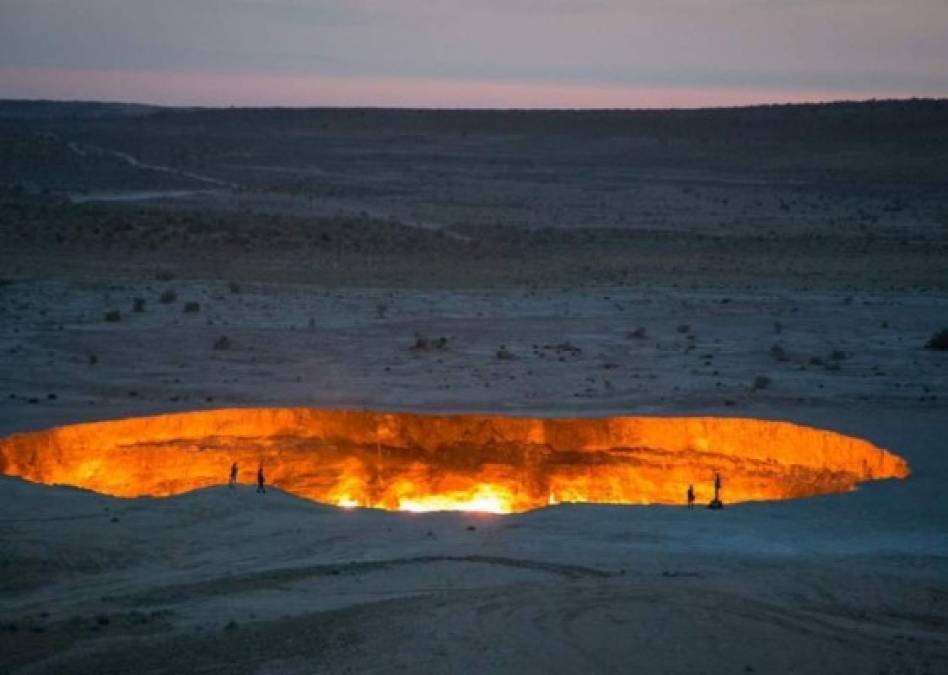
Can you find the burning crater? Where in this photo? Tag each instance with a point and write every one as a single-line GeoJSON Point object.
{"type": "Point", "coordinates": [451, 462]}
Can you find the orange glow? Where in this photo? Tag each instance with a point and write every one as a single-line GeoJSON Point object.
{"type": "Point", "coordinates": [410, 462]}
{"type": "Point", "coordinates": [484, 498]}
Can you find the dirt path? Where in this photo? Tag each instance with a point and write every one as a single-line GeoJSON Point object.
{"type": "Point", "coordinates": [131, 160]}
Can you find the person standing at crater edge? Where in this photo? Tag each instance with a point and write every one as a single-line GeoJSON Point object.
{"type": "Point", "coordinates": [233, 475]}
{"type": "Point", "coordinates": [716, 503]}
{"type": "Point", "coordinates": [691, 496]}
{"type": "Point", "coordinates": [260, 481]}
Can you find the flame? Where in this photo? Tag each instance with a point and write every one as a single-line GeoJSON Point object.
{"type": "Point", "coordinates": [484, 498]}
{"type": "Point", "coordinates": [347, 502]}
{"type": "Point", "coordinates": [413, 492]}
{"type": "Point", "coordinates": [483, 463]}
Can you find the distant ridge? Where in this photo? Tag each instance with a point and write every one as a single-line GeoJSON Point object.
{"type": "Point", "coordinates": [892, 120]}
{"type": "Point", "coordinates": [40, 109]}
{"type": "Point", "coordinates": [92, 109]}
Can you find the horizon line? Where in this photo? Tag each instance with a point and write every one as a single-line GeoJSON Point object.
{"type": "Point", "coordinates": [432, 108]}
{"type": "Point", "coordinates": [172, 89]}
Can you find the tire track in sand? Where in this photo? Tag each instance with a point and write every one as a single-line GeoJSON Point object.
{"type": "Point", "coordinates": [271, 578]}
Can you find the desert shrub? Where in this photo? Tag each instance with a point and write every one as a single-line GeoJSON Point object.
{"type": "Point", "coordinates": [113, 315]}
{"type": "Point", "coordinates": [234, 287]}
{"type": "Point", "coordinates": [191, 307]}
{"type": "Point", "coordinates": [837, 355]}
{"type": "Point", "coordinates": [639, 333]}
{"type": "Point", "coordinates": [938, 341]}
{"type": "Point", "coordinates": [422, 343]}
{"type": "Point", "coordinates": [167, 297]}
{"type": "Point", "coordinates": [222, 343]}
{"type": "Point", "coordinates": [779, 353]}
{"type": "Point", "coordinates": [138, 305]}
{"type": "Point", "coordinates": [504, 353]}
{"type": "Point", "coordinates": [566, 349]}
{"type": "Point", "coordinates": [761, 382]}
{"type": "Point", "coordinates": [164, 275]}
{"type": "Point", "coordinates": [380, 310]}
{"type": "Point", "coordinates": [683, 328]}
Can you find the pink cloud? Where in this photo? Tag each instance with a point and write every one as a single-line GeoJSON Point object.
{"type": "Point", "coordinates": [260, 89]}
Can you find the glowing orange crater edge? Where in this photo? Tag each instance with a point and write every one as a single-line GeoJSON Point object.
{"type": "Point", "coordinates": [418, 462]}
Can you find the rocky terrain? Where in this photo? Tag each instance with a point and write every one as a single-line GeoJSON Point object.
{"type": "Point", "coordinates": [782, 263]}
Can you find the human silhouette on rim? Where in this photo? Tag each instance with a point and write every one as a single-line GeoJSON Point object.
{"type": "Point", "coordinates": [716, 503]}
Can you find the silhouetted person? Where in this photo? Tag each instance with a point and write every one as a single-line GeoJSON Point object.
{"type": "Point", "coordinates": [716, 503]}
{"type": "Point", "coordinates": [260, 481]}
{"type": "Point", "coordinates": [691, 496]}
{"type": "Point", "coordinates": [233, 474]}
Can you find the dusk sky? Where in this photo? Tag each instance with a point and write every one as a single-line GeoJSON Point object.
{"type": "Point", "coordinates": [467, 53]}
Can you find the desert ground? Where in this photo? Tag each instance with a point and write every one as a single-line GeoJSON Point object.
{"type": "Point", "coordinates": [786, 263]}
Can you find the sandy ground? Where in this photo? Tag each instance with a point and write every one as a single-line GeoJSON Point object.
{"type": "Point", "coordinates": [821, 269]}
{"type": "Point", "coordinates": [229, 581]}
{"type": "Point", "coordinates": [305, 345]}
{"type": "Point", "coordinates": [235, 582]}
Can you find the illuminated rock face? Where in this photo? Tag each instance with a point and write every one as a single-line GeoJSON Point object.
{"type": "Point", "coordinates": [443, 462]}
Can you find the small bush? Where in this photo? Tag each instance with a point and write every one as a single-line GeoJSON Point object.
{"type": "Point", "coordinates": [113, 315]}
{"type": "Point", "coordinates": [138, 305]}
{"type": "Point", "coordinates": [191, 307]}
{"type": "Point", "coordinates": [938, 341]}
{"type": "Point", "coordinates": [504, 354]}
{"type": "Point", "coordinates": [568, 348]}
{"type": "Point", "coordinates": [779, 353]}
{"type": "Point", "coordinates": [638, 334]}
{"type": "Point", "coordinates": [164, 275]}
{"type": "Point", "coordinates": [683, 328]}
{"type": "Point", "coordinates": [222, 343]}
{"type": "Point", "coordinates": [761, 382]}
{"type": "Point", "coordinates": [422, 343]}
{"type": "Point", "coordinates": [234, 287]}
{"type": "Point", "coordinates": [167, 297]}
